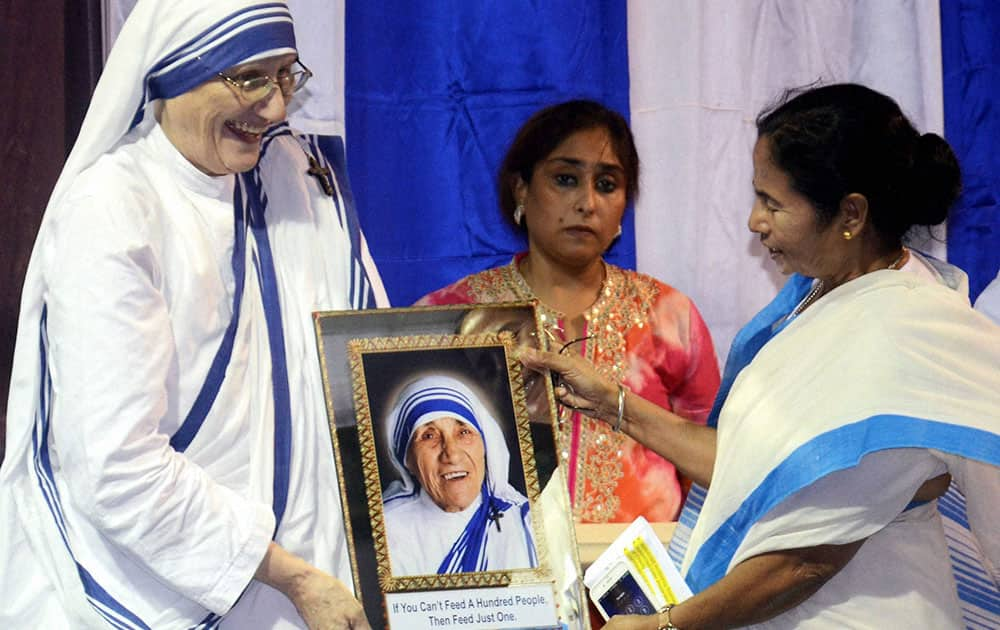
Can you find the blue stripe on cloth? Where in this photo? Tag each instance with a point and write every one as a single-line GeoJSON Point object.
{"type": "Point", "coordinates": [822, 456]}
{"type": "Point", "coordinates": [978, 601]}
{"type": "Point", "coordinates": [221, 28]}
{"type": "Point", "coordinates": [401, 432]}
{"type": "Point", "coordinates": [274, 131]}
{"type": "Point", "coordinates": [411, 413]}
{"type": "Point", "coordinates": [685, 523]}
{"type": "Point", "coordinates": [189, 75]}
{"type": "Point", "coordinates": [102, 602]}
{"type": "Point", "coordinates": [978, 592]}
{"type": "Point", "coordinates": [529, 540]}
{"type": "Point", "coordinates": [229, 41]}
{"type": "Point", "coordinates": [914, 504]}
{"type": "Point", "coordinates": [468, 553]}
{"type": "Point", "coordinates": [965, 561]}
{"type": "Point", "coordinates": [330, 152]}
{"type": "Point", "coordinates": [755, 334]}
{"type": "Point", "coordinates": [974, 589]}
{"type": "Point", "coordinates": [217, 372]}
{"type": "Point", "coordinates": [106, 605]}
{"type": "Point", "coordinates": [270, 296]}
{"type": "Point", "coordinates": [952, 505]}
{"type": "Point", "coordinates": [40, 435]}
{"type": "Point", "coordinates": [975, 621]}
{"type": "Point", "coordinates": [209, 622]}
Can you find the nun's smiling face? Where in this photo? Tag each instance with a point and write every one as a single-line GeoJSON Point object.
{"type": "Point", "coordinates": [217, 127]}
{"type": "Point", "coordinates": [448, 457]}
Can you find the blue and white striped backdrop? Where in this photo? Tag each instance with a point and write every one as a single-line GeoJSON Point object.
{"type": "Point", "coordinates": [430, 94]}
{"type": "Point", "coordinates": [433, 91]}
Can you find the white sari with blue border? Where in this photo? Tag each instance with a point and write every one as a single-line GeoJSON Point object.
{"type": "Point", "coordinates": [829, 422]}
{"type": "Point", "coordinates": [173, 423]}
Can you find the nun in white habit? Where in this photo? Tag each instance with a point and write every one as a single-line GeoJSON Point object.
{"type": "Point", "coordinates": [168, 463]}
{"type": "Point", "coordinates": [452, 510]}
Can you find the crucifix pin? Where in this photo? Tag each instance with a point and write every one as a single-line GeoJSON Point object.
{"type": "Point", "coordinates": [321, 173]}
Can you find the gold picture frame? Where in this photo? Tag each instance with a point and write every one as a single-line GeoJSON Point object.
{"type": "Point", "coordinates": [367, 358]}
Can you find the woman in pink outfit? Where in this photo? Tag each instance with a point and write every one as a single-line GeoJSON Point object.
{"type": "Point", "coordinates": [566, 181]}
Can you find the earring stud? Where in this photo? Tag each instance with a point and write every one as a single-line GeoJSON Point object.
{"type": "Point", "coordinates": [519, 213]}
{"type": "Point", "coordinates": [847, 235]}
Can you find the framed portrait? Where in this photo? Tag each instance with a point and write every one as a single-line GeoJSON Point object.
{"type": "Point", "coordinates": [455, 510]}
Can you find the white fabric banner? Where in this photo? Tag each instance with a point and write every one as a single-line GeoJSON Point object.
{"type": "Point", "coordinates": [319, 35]}
{"type": "Point", "coordinates": [700, 71]}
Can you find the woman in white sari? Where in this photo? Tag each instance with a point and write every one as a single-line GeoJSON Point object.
{"type": "Point", "coordinates": [846, 403]}
{"type": "Point", "coordinates": [168, 462]}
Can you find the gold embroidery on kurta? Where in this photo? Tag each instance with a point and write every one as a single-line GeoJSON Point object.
{"type": "Point", "coordinates": [625, 301]}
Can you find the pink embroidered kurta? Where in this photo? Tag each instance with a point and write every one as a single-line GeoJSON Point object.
{"type": "Point", "coordinates": [650, 337]}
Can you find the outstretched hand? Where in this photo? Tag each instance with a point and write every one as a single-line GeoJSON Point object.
{"type": "Point", "coordinates": [325, 603]}
{"type": "Point", "coordinates": [579, 384]}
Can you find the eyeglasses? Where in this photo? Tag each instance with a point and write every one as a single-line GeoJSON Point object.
{"type": "Point", "coordinates": [256, 86]}
{"type": "Point", "coordinates": [572, 341]}
{"type": "Point", "coordinates": [557, 378]}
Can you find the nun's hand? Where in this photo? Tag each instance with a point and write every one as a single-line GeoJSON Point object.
{"type": "Point", "coordinates": [323, 601]}
{"type": "Point", "coordinates": [578, 383]}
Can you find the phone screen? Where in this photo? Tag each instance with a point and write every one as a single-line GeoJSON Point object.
{"type": "Point", "coordinates": [625, 597]}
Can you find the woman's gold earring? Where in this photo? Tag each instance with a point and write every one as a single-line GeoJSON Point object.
{"type": "Point", "coordinates": [519, 213]}
{"type": "Point", "coordinates": [847, 235]}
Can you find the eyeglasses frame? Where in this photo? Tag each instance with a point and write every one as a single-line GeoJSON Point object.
{"type": "Point", "coordinates": [557, 378]}
{"type": "Point", "coordinates": [272, 83]}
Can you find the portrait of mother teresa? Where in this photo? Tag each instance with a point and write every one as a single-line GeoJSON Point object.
{"type": "Point", "coordinates": [452, 509]}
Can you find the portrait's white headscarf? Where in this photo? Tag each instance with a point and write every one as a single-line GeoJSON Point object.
{"type": "Point", "coordinates": [432, 397]}
{"type": "Point", "coordinates": [427, 399]}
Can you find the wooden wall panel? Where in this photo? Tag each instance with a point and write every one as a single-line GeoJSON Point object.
{"type": "Point", "coordinates": [32, 148]}
{"type": "Point", "coordinates": [50, 60]}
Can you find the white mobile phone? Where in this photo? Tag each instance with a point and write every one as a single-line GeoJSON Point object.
{"type": "Point", "coordinates": [620, 593]}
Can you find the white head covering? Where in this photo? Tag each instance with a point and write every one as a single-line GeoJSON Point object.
{"type": "Point", "coordinates": [429, 398]}
{"type": "Point", "coordinates": [165, 48]}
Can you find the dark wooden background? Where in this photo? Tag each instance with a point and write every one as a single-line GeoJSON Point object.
{"type": "Point", "coordinates": [50, 57]}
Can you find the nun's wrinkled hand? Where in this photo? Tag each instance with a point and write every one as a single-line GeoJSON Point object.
{"type": "Point", "coordinates": [577, 384]}
{"type": "Point", "coordinates": [325, 603]}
